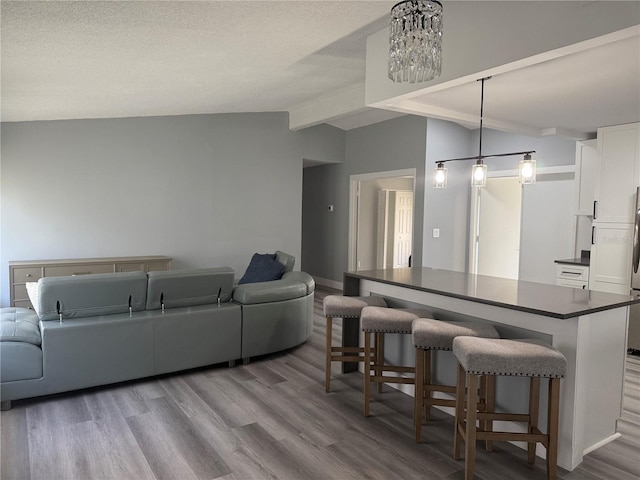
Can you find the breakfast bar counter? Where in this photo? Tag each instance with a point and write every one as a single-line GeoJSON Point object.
{"type": "Point", "coordinates": [588, 327]}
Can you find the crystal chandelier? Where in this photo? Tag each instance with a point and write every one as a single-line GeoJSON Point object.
{"type": "Point", "coordinates": [415, 41]}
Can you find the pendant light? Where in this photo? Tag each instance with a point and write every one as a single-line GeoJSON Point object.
{"type": "Point", "coordinates": [526, 168]}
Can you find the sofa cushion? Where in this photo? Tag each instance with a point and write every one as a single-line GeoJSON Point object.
{"type": "Point", "coordinates": [91, 295]}
{"type": "Point", "coordinates": [262, 268]}
{"type": "Point", "coordinates": [33, 293]}
{"type": "Point", "coordinates": [185, 288]}
{"type": "Point", "coordinates": [19, 325]}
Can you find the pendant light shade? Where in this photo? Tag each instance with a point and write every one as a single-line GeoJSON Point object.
{"type": "Point", "coordinates": [479, 175]}
{"type": "Point", "coordinates": [527, 170]}
{"type": "Point", "coordinates": [440, 176]}
{"type": "Point", "coordinates": [415, 41]}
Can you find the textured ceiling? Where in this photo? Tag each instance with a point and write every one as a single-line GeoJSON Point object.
{"type": "Point", "coordinates": [106, 59]}
{"type": "Point", "coordinates": [63, 60]}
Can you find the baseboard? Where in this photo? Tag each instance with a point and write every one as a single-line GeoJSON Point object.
{"type": "Point", "coordinates": [324, 282]}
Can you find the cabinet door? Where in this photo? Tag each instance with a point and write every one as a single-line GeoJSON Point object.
{"type": "Point", "coordinates": [157, 266]}
{"type": "Point", "coordinates": [586, 168]}
{"type": "Point", "coordinates": [618, 174]}
{"type": "Point", "coordinates": [610, 266]}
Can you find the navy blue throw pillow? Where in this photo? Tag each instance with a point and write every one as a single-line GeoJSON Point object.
{"type": "Point", "coordinates": [262, 268]}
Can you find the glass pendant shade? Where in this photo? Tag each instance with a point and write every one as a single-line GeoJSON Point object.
{"type": "Point", "coordinates": [440, 177]}
{"type": "Point", "coordinates": [415, 41]}
{"type": "Point", "coordinates": [479, 175]}
{"type": "Point", "coordinates": [527, 170]}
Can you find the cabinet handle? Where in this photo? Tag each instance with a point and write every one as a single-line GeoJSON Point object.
{"type": "Point", "coordinates": [593, 235]}
{"type": "Point", "coordinates": [80, 273]}
{"type": "Point", "coordinates": [564, 272]}
{"type": "Point", "coordinates": [594, 209]}
{"type": "Point", "coordinates": [28, 275]}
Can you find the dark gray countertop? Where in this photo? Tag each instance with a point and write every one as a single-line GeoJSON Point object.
{"type": "Point", "coordinates": [583, 262]}
{"type": "Point", "coordinates": [537, 298]}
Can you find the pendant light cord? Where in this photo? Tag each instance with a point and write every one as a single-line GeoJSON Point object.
{"type": "Point", "coordinates": [481, 117]}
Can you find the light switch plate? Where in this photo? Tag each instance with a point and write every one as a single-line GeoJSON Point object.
{"type": "Point", "coordinates": [436, 233]}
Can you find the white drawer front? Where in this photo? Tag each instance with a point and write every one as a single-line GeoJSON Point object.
{"type": "Point", "coordinates": [572, 272]}
{"type": "Point", "coordinates": [29, 274]}
{"type": "Point", "coordinates": [64, 271]}
{"type": "Point", "coordinates": [572, 283]}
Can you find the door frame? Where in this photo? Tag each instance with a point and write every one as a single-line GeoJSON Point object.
{"type": "Point", "coordinates": [354, 207]}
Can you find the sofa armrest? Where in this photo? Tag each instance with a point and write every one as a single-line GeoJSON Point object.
{"type": "Point", "coordinates": [302, 277]}
{"type": "Point", "coordinates": [291, 285]}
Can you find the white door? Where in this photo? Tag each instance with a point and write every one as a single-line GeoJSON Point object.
{"type": "Point", "coordinates": [496, 212]}
{"type": "Point", "coordinates": [403, 229]}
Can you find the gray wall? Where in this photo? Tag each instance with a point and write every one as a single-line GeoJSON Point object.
{"type": "Point", "coordinates": [547, 211]}
{"type": "Point", "coordinates": [207, 190]}
{"type": "Point", "coordinates": [448, 208]}
{"type": "Point", "coordinates": [392, 145]}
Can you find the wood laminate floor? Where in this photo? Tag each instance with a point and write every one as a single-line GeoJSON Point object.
{"type": "Point", "coordinates": [270, 419]}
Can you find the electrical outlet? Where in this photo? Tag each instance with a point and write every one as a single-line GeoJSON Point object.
{"type": "Point", "coordinates": [330, 208]}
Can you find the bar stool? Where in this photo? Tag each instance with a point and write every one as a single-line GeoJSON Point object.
{"type": "Point", "coordinates": [525, 358]}
{"type": "Point", "coordinates": [339, 306]}
{"type": "Point", "coordinates": [429, 335]}
{"type": "Point", "coordinates": [381, 320]}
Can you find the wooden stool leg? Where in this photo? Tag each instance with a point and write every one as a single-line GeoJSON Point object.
{"type": "Point", "coordinates": [427, 381]}
{"type": "Point", "coordinates": [327, 364]}
{"type": "Point", "coordinates": [534, 408]}
{"type": "Point", "coordinates": [418, 397]}
{"type": "Point", "coordinates": [379, 358]}
{"type": "Point", "coordinates": [470, 441]}
{"type": "Point", "coordinates": [367, 371]}
{"type": "Point", "coordinates": [490, 405]}
{"type": "Point", "coordinates": [458, 437]}
{"type": "Point", "coordinates": [552, 428]}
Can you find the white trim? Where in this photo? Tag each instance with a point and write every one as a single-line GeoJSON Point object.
{"type": "Point", "coordinates": [325, 282]}
{"type": "Point", "coordinates": [407, 172]}
{"type": "Point", "coordinates": [601, 443]}
{"type": "Point", "coordinates": [539, 171]}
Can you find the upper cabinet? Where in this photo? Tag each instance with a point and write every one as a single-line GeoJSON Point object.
{"type": "Point", "coordinates": [618, 154]}
{"type": "Point", "coordinates": [586, 167]}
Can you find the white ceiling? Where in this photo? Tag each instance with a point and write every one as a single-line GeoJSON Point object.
{"type": "Point", "coordinates": [64, 60]}
{"type": "Point", "coordinates": [95, 59]}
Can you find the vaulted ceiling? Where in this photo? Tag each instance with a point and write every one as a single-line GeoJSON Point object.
{"type": "Point", "coordinates": [104, 59]}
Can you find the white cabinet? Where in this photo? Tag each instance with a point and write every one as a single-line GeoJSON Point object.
{"type": "Point", "coordinates": [574, 276]}
{"type": "Point", "coordinates": [586, 167]}
{"type": "Point", "coordinates": [618, 150]}
{"type": "Point", "coordinates": [610, 265]}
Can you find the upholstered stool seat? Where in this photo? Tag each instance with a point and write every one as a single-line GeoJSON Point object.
{"type": "Point", "coordinates": [339, 306]}
{"type": "Point", "coordinates": [429, 335]}
{"type": "Point", "coordinates": [529, 358]}
{"type": "Point", "coordinates": [379, 321]}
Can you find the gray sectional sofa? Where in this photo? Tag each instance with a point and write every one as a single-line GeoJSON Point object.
{"type": "Point", "coordinates": [99, 329]}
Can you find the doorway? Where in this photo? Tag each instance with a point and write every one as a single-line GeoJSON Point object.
{"type": "Point", "coordinates": [496, 212]}
{"type": "Point", "coordinates": [381, 219]}
{"type": "Point", "coordinates": [395, 228]}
